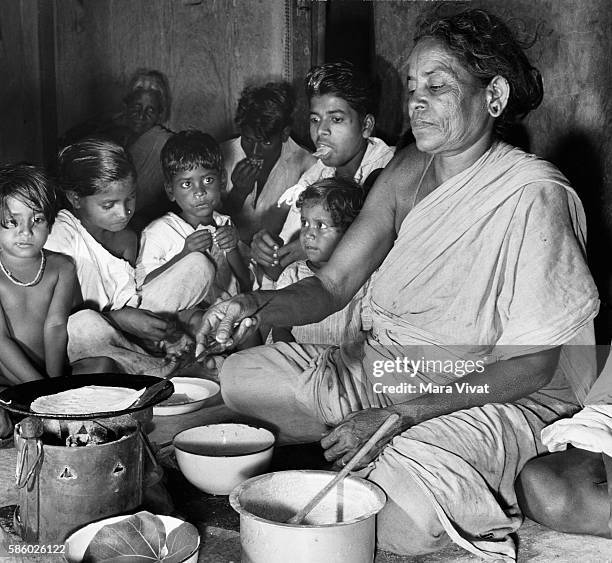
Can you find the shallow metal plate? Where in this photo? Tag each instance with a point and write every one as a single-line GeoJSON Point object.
{"type": "Point", "coordinates": [19, 397]}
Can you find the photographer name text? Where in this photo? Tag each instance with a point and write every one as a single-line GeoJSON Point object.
{"type": "Point", "coordinates": [428, 387]}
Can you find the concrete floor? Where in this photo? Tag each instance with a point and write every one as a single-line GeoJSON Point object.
{"type": "Point", "coordinates": [219, 524]}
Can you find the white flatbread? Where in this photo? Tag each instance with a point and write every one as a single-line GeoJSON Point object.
{"type": "Point", "coordinates": [85, 400]}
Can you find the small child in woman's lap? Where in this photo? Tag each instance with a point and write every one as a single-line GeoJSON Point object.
{"type": "Point", "coordinates": [327, 208]}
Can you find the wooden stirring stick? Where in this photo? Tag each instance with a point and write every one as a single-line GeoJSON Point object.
{"type": "Point", "coordinates": [301, 514]}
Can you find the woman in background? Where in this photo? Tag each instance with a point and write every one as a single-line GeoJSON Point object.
{"type": "Point", "coordinates": [147, 108]}
{"type": "Point", "coordinates": [140, 129]}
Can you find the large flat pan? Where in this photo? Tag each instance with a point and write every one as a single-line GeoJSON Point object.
{"type": "Point", "coordinates": [19, 397]}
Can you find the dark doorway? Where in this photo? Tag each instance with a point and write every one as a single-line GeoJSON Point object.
{"type": "Point", "coordinates": [349, 32]}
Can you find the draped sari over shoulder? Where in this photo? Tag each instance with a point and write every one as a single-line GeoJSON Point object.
{"type": "Point", "coordinates": [491, 265]}
{"type": "Point", "coordinates": [487, 267]}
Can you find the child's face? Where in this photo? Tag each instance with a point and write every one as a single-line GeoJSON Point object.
{"type": "Point", "coordinates": [336, 125]}
{"type": "Point", "coordinates": [318, 235]}
{"type": "Point", "coordinates": [260, 149]}
{"type": "Point", "coordinates": [109, 209]}
{"type": "Point", "coordinates": [26, 230]}
{"type": "Point", "coordinates": [198, 193]}
{"type": "Point", "coordinates": [143, 112]}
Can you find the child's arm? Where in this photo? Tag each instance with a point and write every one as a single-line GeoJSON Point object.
{"type": "Point", "coordinates": [199, 241]}
{"type": "Point", "coordinates": [125, 244]}
{"type": "Point", "coordinates": [226, 238]}
{"type": "Point", "coordinates": [14, 364]}
{"type": "Point", "coordinates": [55, 329]}
{"type": "Point", "coordinates": [77, 296]}
{"type": "Point", "coordinates": [238, 266]}
{"type": "Point", "coordinates": [139, 322]}
{"type": "Point", "coordinates": [263, 253]}
{"type": "Point", "coordinates": [282, 334]}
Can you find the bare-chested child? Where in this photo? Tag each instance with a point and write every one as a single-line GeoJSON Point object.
{"type": "Point", "coordinates": [37, 287]}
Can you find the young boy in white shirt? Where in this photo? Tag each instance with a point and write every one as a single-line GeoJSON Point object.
{"type": "Point", "coordinates": [194, 176]}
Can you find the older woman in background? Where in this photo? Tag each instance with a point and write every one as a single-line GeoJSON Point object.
{"type": "Point", "coordinates": [147, 108]}
{"type": "Point", "coordinates": [138, 128]}
{"type": "Point", "coordinates": [480, 285]}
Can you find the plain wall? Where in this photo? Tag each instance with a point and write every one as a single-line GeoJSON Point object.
{"type": "Point", "coordinates": [208, 49]}
{"type": "Point", "coordinates": [20, 89]}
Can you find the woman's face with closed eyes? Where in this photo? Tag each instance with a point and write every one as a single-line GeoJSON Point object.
{"type": "Point", "coordinates": [447, 105]}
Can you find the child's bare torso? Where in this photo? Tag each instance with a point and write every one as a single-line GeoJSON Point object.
{"type": "Point", "coordinates": [26, 309]}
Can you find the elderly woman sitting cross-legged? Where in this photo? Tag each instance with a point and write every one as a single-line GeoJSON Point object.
{"type": "Point", "coordinates": [480, 284]}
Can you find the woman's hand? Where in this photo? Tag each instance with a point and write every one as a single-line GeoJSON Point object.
{"type": "Point", "coordinates": [200, 241]}
{"type": "Point", "coordinates": [264, 248]}
{"type": "Point", "coordinates": [141, 323]}
{"type": "Point", "coordinates": [226, 324]}
{"type": "Point", "coordinates": [226, 237]}
{"type": "Point", "coordinates": [343, 442]}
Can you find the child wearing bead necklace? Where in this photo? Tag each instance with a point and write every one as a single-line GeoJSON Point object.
{"type": "Point", "coordinates": [36, 286]}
